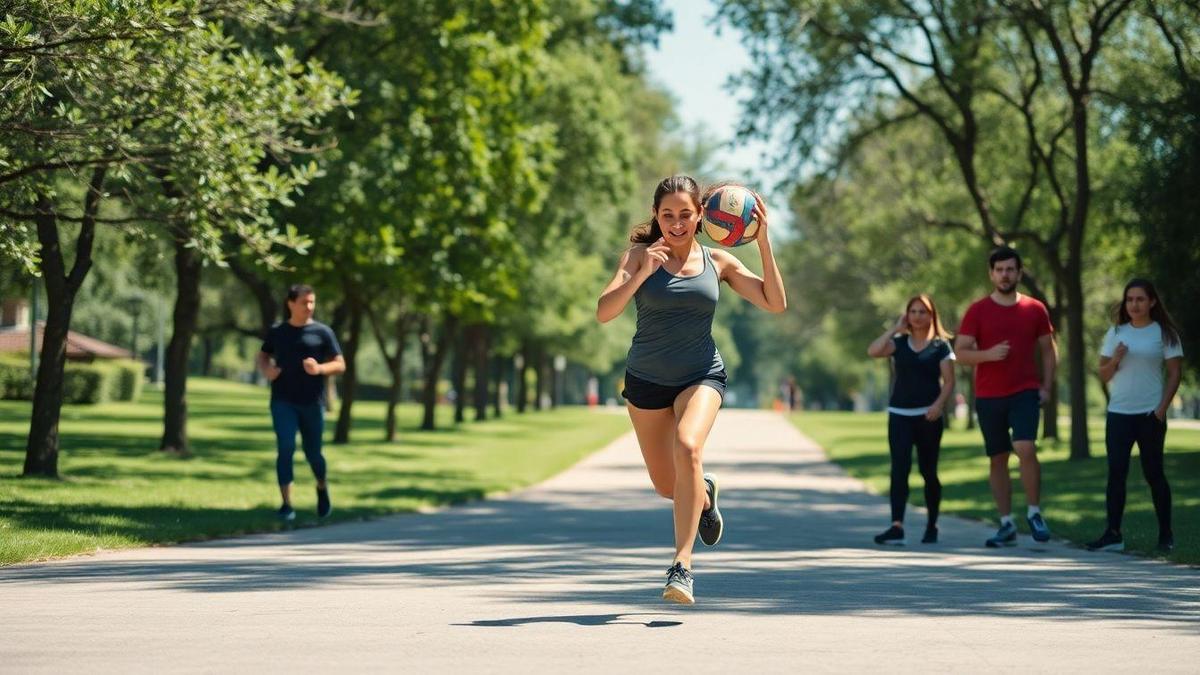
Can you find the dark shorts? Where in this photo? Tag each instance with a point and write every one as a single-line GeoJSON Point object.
{"type": "Point", "coordinates": [1019, 412]}
{"type": "Point", "coordinates": [651, 396]}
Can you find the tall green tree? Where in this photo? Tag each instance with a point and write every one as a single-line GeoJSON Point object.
{"type": "Point", "coordinates": [109, 104]}
{"type": "Point", "coordinates": [939, 64]}
{"type": "Point", "coordinates": [1165, 125]}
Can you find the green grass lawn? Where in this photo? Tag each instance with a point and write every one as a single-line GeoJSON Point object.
{"type": "Point", "coordinates": [1073, 491]}
{"type": "Point", "coordinates": [117, 490]}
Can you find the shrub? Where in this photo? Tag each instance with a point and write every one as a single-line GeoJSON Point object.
{"type": "Point", "coordinates": [15, 383]}
{"type": "Point", "coordinates": [88, 383]}
{"type": "Point", "coordinates": [82, 382]}
{"type": "Point", "coordinates": [130, 375]}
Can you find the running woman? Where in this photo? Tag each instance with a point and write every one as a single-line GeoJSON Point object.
{"type": "Point", "coordinates": [1132, 357]}
{"type": "Point", "coordinates": [296, 356]}
{"type": "Point", "coordinates": [675, 378]}
{"type": "Point", "coordinates": [924, 380]}
{"type": "Point", "coordinates": [1001, 335]}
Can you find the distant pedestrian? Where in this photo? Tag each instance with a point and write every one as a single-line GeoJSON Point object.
{"type": "Point", "coordinates": [924, 365]}
{"type": "Point", "coordinates": [296, 356]}
{"type": "Point", "coordinates": [1001, 335]}
{"type": "Point", "coordinates": [1142, 343]}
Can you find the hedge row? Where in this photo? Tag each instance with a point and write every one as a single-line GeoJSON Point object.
{"type": "Point", "coordinates": [118, 380]}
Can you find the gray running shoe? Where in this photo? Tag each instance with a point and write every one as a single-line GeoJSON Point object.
{"type": "Point", "coordinates": [711, 523]}
{"type": "Point", "coordinates": [679, 585]}
{"type": "Point", "coordinates": [1005, 536]}
{"type": "Point", "coordinates": [1039, 528]}
{"type": "Point", "coordinates": [286, 513]}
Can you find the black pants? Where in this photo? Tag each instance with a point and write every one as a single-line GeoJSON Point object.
{"type": "Point", "coordinates": [1120, 433]}
{"type": "Point", "coordinates": [903, 433]}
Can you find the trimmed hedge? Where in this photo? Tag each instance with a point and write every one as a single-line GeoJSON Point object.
{"type": "Point", "coordinates": [15, 384]}
{"type": "Point", "coordinates": [97, 382]}
{"type": "Point", "coordinates": [129, 376]}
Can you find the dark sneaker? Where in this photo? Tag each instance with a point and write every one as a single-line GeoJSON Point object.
{"type": "Point", "coordinates": [323, 505]}
{"type": "Point", "coordinates": [1039, 528]}
{"type": "Point", "coordinates": [711, 523]}
{"type": "Point", "coordinates": [1166, 543]}
{"type": "Point", "coordinates": [286, 513]}
{"type": "Point", "coordinates": [1109, 541]}
{"type": "Point", "coordinates": [679, 585]}
{"type": "Point", "coordinates": [1005, 536]}
{"type": "Point", "coordinates": [930, 535]}
{"type": "Point", "coordinates": [893, 536]}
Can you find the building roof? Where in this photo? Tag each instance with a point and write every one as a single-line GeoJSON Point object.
{"type": "Point", "coordinates": [79, 347]}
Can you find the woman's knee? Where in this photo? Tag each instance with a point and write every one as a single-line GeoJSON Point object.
{"type": "Point", "coordinates": [688, 450]}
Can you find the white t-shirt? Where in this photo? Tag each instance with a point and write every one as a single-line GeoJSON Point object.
{"type": "Point", "coordinates": [1137, 386]}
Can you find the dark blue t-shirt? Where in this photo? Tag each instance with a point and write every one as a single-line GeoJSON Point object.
{"type": "Point", "coordinates": [290, 345]}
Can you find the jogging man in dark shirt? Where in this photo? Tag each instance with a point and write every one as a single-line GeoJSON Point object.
{"type": "Point", "coordinates": [296, 356]}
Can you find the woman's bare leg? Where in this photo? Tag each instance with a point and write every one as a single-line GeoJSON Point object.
{"type": "Point", "coordinates": [696, 410]}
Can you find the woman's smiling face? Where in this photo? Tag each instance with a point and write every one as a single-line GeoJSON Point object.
{"type": "Point", "coordinates": [678, 217]}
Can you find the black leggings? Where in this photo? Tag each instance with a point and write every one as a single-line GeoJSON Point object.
{"type": "Point", "coordinates": [903, 432]}
{"type": "Point", "coordinates": [1120, 433]}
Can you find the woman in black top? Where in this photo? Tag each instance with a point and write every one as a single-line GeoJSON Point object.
{"type": "Point", "coordinates": [924, 379]}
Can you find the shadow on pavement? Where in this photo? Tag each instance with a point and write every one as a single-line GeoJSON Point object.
{"type": "Point", "coordinates": [785, 551]}
{"type": "Point", "coordinates": [578, 620]}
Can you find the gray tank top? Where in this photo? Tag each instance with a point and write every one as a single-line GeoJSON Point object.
{"type": "Point", "coordinates": [673, 344]}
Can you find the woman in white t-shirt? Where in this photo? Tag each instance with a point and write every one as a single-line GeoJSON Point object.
{"type": "Point", "coordinates": [1131, 362]}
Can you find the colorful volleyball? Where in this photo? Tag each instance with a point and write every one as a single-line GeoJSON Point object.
{"type": "Point", "coordinates": [729, 216]}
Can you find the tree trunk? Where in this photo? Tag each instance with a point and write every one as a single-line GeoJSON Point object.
{"type": "Point", "coordinates": [481, 368]}
{"type": "Point", "coordinates": [1050, 407]}
{"type": "Point", "coordinates": [555, 382]}
{"type": "Point", "coordinates": [268, 303]}
{"type": "Point", "coordinates": [41, 447]}
{"type": "Point", "coordinates": [1077, 370]}
{"type": "Point", "coordinates": [433, 371]}
{"type": "Point", "coordinates": [540, 378]}
{"type": "Point", "coordinates": [188, 270]}
{"type": "Point", "coordinates": [396, 365]}
{"type": "Point", "coordinates": [354, 316]}
{"type": "Point", "coordinates": [520, 373]}
{"type": "Point", "coordinates": [497, 378]}
{"type": "Point", "coordinates": [206, 362]}
{"type": "Point", "coordinates": [459, 373]}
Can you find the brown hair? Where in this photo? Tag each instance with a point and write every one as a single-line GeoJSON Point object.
{"type": "Point", "coordinates": [938, 329]}
{"type": "Point", "coordinates": [1158, 312]}
{"type": "Point", "coordinates": [649, 231]}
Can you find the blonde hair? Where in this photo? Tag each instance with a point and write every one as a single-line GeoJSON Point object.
{"type": "Point", "coordinates": [938, 329]}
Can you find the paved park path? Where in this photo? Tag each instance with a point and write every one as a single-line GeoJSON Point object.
{"type": "Point", "coordinates": [565, 578]}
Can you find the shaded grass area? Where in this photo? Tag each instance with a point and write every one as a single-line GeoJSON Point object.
{"type": "Point", "coordinates": [1073, 491]}
{"type": "Point", "coordinates": [117, 490]}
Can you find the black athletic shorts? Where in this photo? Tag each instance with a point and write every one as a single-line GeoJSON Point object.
{"type": "Point", "coordinates": [651, 396]}
{"type": "Point", "coordinates": [1020, 412]}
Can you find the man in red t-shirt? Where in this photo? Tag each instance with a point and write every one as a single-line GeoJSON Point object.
{"type": "Point", "coordinates": [1000, 335]}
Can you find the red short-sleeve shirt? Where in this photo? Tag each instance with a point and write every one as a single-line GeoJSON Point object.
{"type": "Point", "coordinates": [991, 323]}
